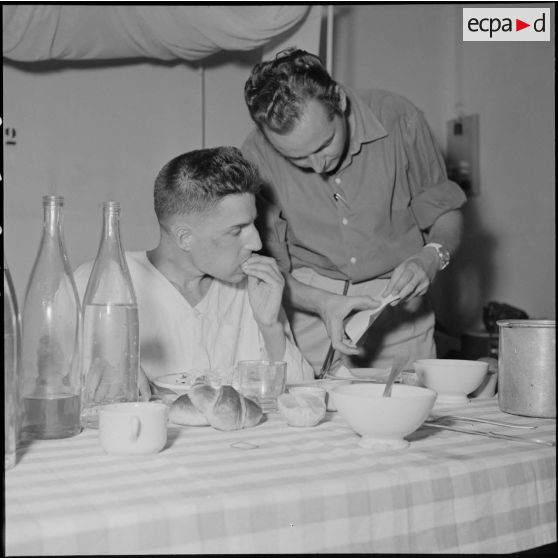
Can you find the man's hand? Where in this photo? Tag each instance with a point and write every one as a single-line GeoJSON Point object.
{"type": "Point", "coordinates": [333, 314]}
{"type": "Point", "coordinates": [265, 288]}
{"type": "Point", "coordinates": [413, 276]}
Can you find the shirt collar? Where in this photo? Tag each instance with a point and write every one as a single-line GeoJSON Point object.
{"type": "Point", "coordinates": [364, 125]}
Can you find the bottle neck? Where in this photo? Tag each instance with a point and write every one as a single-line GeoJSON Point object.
{"type": "Point", "coordinates": [110, 281]}
{"type": "Point", "coordinates": [111, 224]}
{"type": "Point", "coordinates": [111, 246]}
{"type": "Point", "coordinates": [52, 216]}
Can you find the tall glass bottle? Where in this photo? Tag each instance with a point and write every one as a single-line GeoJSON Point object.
{"type": "Point", "coordinates": [110, 325]}
{"type": "Point", "coordinates": [51, 380]}
{"type": "Point", "coordinates": [11, 369]}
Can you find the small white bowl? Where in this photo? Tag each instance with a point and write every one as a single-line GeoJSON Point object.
{"type": "Point", "coordinates": [452, 379]}
{"type": "Point", "coordinates": [322, 388]}
{"type": "Point", "coordinates": [310, 389]}
{"type": "Point", "coordinates": [302, 407]}
{"type": "Point", "coordinates": [383, 422]}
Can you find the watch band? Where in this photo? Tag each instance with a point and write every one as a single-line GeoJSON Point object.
{"type": "Point", "coordinates": [443, 254]}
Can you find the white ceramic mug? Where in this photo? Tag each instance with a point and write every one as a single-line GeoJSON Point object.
{"type": "Point", "coordinates": [133, 428]}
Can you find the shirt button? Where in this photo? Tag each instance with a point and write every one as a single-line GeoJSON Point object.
{"type": "Point", "coordinates": [353, 260]}
{"type": "Point", "coordinates": [338, 181]}
{"type": "Point", "coordinates": [344, 221]}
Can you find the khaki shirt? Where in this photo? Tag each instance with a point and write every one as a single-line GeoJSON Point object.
{"type": "Point", "coordinates": [365, 219]}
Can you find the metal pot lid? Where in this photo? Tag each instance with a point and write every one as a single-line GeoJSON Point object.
{"type": "Point", "coordinates": [527, 323]}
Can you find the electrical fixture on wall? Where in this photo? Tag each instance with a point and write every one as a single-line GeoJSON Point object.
{"type": "Point", "coordinates": [463, 153]}
{"type": "Point", "coordinates": [10, 136]}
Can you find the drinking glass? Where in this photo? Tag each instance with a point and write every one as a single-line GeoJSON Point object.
{"type": "Point", "coordinates": [262, 381]}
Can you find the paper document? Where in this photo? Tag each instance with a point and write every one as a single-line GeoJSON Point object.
{"type": "Point", "coordinates": [361, 321]}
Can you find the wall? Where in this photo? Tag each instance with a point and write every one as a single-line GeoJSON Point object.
{"type": "Point", "coordinates": [508, 250]}
{"type": "Point", "coordinates": [93, 132]}
{"type": "Point", "coordinates": [399, 48]}
{"type": "Point", "coordinates": [104, 131]}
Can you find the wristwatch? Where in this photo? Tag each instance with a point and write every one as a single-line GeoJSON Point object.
{"type": "Point", "coordinates": [443, 254]}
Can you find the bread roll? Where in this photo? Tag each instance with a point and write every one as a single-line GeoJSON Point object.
{"type": "Point", "coordinates": [182, 411]}
{"type": "Point", "coordinates": [223, 408]}
{"type": "Point", "coordinates": [301, 409]}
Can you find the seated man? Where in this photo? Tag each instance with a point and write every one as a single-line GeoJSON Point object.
{"type": "Point", "coordinates": [206, 300]}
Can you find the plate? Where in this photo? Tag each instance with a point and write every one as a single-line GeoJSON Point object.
{"type": "Point", "coordinates": [182, 382]}
{"type": "Point", "coordinates": [178, 383]}
{"type": "Point", "coordinates": [447, 400]}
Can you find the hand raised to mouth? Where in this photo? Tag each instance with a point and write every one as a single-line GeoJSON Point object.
{"type": "Point", "coordinates": [265, 288]}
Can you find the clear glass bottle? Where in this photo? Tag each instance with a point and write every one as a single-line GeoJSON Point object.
{"type": "Point", "coordinates": [11, 369]}
{"type": "Point", "coordinates": [51, 379]}
{"type": "Point", "coordinates": [110, 325]}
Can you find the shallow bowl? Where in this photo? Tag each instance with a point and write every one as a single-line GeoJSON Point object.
{"type": "Point", "coordinates": [452, 379]}
{"type": "Point", "coordinates": [383, 422]}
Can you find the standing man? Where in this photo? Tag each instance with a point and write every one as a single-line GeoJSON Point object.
{"type": "Point", "coordinates": [360, 208]}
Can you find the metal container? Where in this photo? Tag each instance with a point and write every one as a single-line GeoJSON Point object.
{"type": "Point", "coordinates": [527, 367]}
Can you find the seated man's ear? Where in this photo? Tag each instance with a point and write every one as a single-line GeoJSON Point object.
{"type": "Point", "coordinates": [342, 99]}
{"type": "Point", "coordinates": [183, 236]}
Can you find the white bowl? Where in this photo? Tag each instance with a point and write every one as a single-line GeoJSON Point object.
{"type": "Point", "coordinates": [383, 422]}
{"type": "Point", "coordinates": [362, 374]}
{"type": "Point", "coordinates": [375, 374]}
{"type": "Point", "coordinates": [451, 379]}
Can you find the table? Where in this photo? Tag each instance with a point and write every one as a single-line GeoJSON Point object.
{"type": "Point", "coordinates": [301, 490]}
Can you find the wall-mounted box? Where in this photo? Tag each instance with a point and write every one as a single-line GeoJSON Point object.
{"type": "Point", "coordinates": [462, 158]}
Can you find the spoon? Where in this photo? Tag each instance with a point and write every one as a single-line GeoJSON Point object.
{"type": "Point", "coordinates": [397, 365]}
{"type": "Point", "coordinates": [471, 419]}
{"type": "Point", "coordinates": [491, 434]}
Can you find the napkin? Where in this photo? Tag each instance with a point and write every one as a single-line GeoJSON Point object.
{"type": "Point", "coordinates": [357, 324]}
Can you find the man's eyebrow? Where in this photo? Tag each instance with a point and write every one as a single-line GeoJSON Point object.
{"type": "Point", "coordinates": [324, 144]}
{"type": "Point", "coordinates": [241, 224]}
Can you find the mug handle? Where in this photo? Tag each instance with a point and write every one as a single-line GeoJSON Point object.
{"type": "Point", "coordinates": [134, 428]}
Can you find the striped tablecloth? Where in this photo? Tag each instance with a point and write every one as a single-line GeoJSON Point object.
{"type": "Point", "coordinates": [300, 490]}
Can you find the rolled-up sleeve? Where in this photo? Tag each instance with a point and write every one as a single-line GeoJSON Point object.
{"type": "Point", "coordinates": [432, 193]}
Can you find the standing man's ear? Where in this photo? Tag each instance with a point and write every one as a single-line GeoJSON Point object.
{"type": "Point", "coordinates": [183, 236]}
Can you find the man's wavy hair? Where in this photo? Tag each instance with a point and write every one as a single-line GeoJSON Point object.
{"type": "Point", "coordinates": [196, 181]}
{"type": "Point", "coordinates": [277, 91]}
